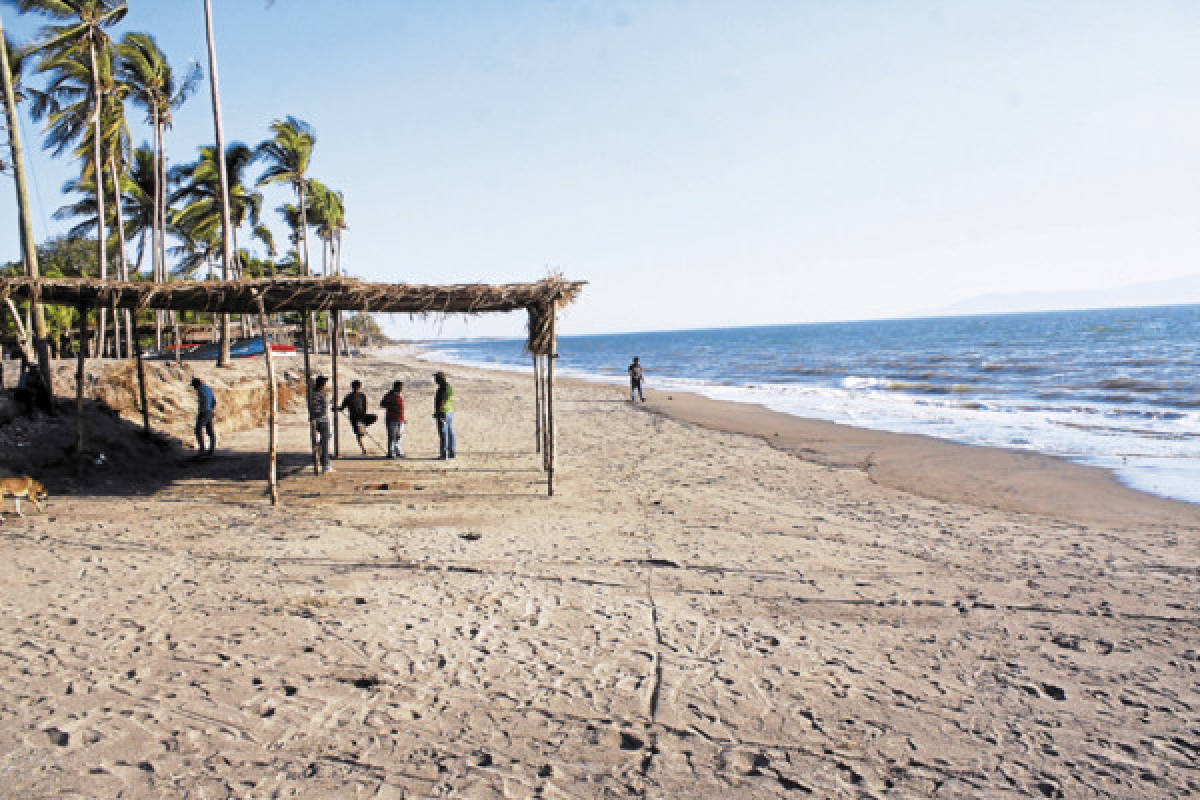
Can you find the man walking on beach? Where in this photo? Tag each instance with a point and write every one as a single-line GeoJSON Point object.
{"type": "Point", "coordinates": [636, 376]}
{"type": "Point", "coordinates": [206, 405]}
{"type": "Point", "coordinates": [355, 404]}
{"type": "Point", "coordinates": [443, 412]}
{"type": "Point", "coordinates": [318, 417]}
{"type": "Point", "coordinates": [393, 401]}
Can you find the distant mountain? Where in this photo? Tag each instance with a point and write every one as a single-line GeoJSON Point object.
{"type": "Point", "coordinates": [1174, 291]}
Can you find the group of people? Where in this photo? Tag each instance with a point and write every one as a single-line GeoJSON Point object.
{"type": "Point", "coordinates": [355, 405]}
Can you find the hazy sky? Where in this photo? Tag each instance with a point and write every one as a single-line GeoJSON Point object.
{"type": "Point", "coordinates": [715, 163]}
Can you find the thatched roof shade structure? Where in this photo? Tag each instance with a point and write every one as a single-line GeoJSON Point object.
{"type": "Point", "coordinates": [263, 296]}
{"type": "Point", "coordinates": [308, 294]}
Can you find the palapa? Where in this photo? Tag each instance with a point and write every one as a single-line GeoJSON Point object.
{"type": "Point", "coordinates": [262, 296]}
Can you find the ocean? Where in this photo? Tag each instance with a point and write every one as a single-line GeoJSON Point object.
{"type": "Point", "coordinates": [1115, 388]}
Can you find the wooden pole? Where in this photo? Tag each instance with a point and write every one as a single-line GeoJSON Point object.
{"type": "Point", "coordinates": [312, 429]}
{"type": "Point", "coordinates": [141, 372]}
{"type": "Point", "coordinates": [550, 444]}
{"type": "Point", "coordinates": [81, 357]}
{"type": "Point", "coordinates": [272, 473]}
{"type": "Point", "coordinates": [335, 321]}
{"type": "Point", "coordinates": [537, 405]}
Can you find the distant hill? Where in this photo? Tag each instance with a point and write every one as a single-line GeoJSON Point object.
{"type": "Point", "coordinates": [1175, 291]}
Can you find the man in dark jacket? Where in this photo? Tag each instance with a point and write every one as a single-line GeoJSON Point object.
{"type": "Point", "coordinates": [206, 406]}
{"type": "Point", "coordinates": [443, 412]}
{"type": "Point", "coordinates": [355, 404]}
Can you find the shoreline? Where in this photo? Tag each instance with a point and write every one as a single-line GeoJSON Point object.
{"type": "Point", "coordinates": [975, 474]}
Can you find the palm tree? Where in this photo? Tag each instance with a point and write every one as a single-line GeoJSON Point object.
{"type": "Point", "coordinates": [227, 239]}
{"type": "Point", "coordinates": [139, 203]}
{"type": "Point", "coordinates": [200, 191]}
{"type": "Point", "coordinates": [144, 68]}
{"type": "Point", "coordinates": [10, 73]}
{"type": "Point", "coordinates": [325, 213]}
{"type": "Point", "coordinates": [80, 32]}
{"type": "Point", "coordinates": [288, 154]}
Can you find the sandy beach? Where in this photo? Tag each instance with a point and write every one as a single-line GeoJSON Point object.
{"type": "Point", "coordinates": [719, 601]}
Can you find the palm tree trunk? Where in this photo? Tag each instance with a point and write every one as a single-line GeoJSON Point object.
{"type": "Point", "coordinates": [156, 262]}
{"type": "Point", "coordinates": [312, 323]}
{"type": "Point", "coordinates": [101, 239]}
{"type": "Point", "coordinates": [226, 227]}
{"type": "Point", "coordinates": [122, 265]}
{"type": "Point", "coordinates": [28, 244]}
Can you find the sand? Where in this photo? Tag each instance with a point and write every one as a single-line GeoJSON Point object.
{"type": "Point", "coordinates": [696, 613]}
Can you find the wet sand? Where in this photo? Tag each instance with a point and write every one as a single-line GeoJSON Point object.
{"type": "Point", "coordinates": [696, 613]}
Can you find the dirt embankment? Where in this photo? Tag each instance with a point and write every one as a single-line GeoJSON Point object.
{"type": "Point", "coordinates": [114, 447]}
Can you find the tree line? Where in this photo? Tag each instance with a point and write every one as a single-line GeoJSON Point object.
{"type": "Point", "coordinates": [199, 219]}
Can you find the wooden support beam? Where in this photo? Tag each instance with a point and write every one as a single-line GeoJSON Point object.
{"type": "Point", "coordinates": [537, 405]}
{"type": "Point", "coordinates": [80, 358]}
{"type": "Point", "coordinates": [272, 471]}
{"type": "Point", "coordinates": [550, 444]}
{"type": "Point", "coordinates": [335, 320]}
{"type": "Point", "coordinates": [141, 373]}
{"type": "Point", "coordinates": [312, 428]}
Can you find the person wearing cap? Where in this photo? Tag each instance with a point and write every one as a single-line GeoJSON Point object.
{"type": "Point", "coordinates": [206, 405]}
{"type": "Point", "coordinates": [355, 404]}
{"type": "Point", "coordinates": [318, 418]}
{"type": "Point", "coordinates": [443, 413]}
{"type": "Point", "coordinates": [393, 401]}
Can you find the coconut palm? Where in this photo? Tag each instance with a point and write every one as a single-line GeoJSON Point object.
{"type": "Point", "coordinates": [200, 192]}
{"type": "Point", "coordinates": [80, 31]}
{"type": "Point", "coordinates": [226, 223]}
{"type": "Point", "coordinates": [288, 153]}
{"type": "Point", "coordinates": [10, 78]}
{"type": "Point", "coordinates": [326, 213]}
{"type": "Point", "coordinates": [144, 68]}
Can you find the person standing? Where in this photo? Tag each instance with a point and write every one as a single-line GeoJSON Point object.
{"type": "Point", "coordinates": [206, 406]}
{"type": "Point", "coordinates": [443, 412]}
{"type": "Point", "coordinates": [318, 417]}
{"type": "Point", "coordinates": [636, 376]}
{"type": "Point", "coordinates": [355, 404]}
{"type": "Point", "coordinates": [393, 401]}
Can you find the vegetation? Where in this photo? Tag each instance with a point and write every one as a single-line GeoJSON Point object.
{"type": "Point", "coordinates": [78, 79]}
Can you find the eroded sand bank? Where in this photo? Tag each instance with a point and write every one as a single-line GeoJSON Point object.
{"type": "Point", "coordinates": [695, 614]}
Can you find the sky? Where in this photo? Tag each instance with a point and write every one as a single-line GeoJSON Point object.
{"type": "Point", "coordinates": [707, 164]}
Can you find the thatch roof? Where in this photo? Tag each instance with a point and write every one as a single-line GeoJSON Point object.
{"type": "Point", "coordinates": [296, 294]}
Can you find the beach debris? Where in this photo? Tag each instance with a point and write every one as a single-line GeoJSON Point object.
{"type": "Point", "coordinates": [471, 536]}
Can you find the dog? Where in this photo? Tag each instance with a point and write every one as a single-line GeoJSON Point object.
{"type": "Point", "coordinates": [26, 487]}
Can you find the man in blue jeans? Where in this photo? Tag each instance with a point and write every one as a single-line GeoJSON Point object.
{"type": "Point", "coordinates": [318, 417]}
{"type": "Point", "coordinates": [443, 412]}
{"type": "Point", "coordinates": [206, 404]}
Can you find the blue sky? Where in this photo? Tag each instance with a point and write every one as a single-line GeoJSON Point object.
{"type": "Point", "coordinates": [752, 162]}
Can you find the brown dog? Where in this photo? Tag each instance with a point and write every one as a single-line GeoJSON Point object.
{"type": "Point", "coordinates": [26, 487]}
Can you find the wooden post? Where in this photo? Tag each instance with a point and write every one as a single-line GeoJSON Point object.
{"type": "Point", "coordinates": [141, 372]}
{"type": "Point", "coordinates": [550, 445]}
{"type": "Point", "coordinates": [335, 320]}
{"type": "Point", "coordinates": [537, 405]}
{"type": "Point", "coordinates": [312, 429]}
{"type": "Point", "coordinates": [81, 357]}
{"type": "Point", "coordinates": [272, 473]}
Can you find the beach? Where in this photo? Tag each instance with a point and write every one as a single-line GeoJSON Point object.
{"type": "Point", "coordinates": [718, 600]}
